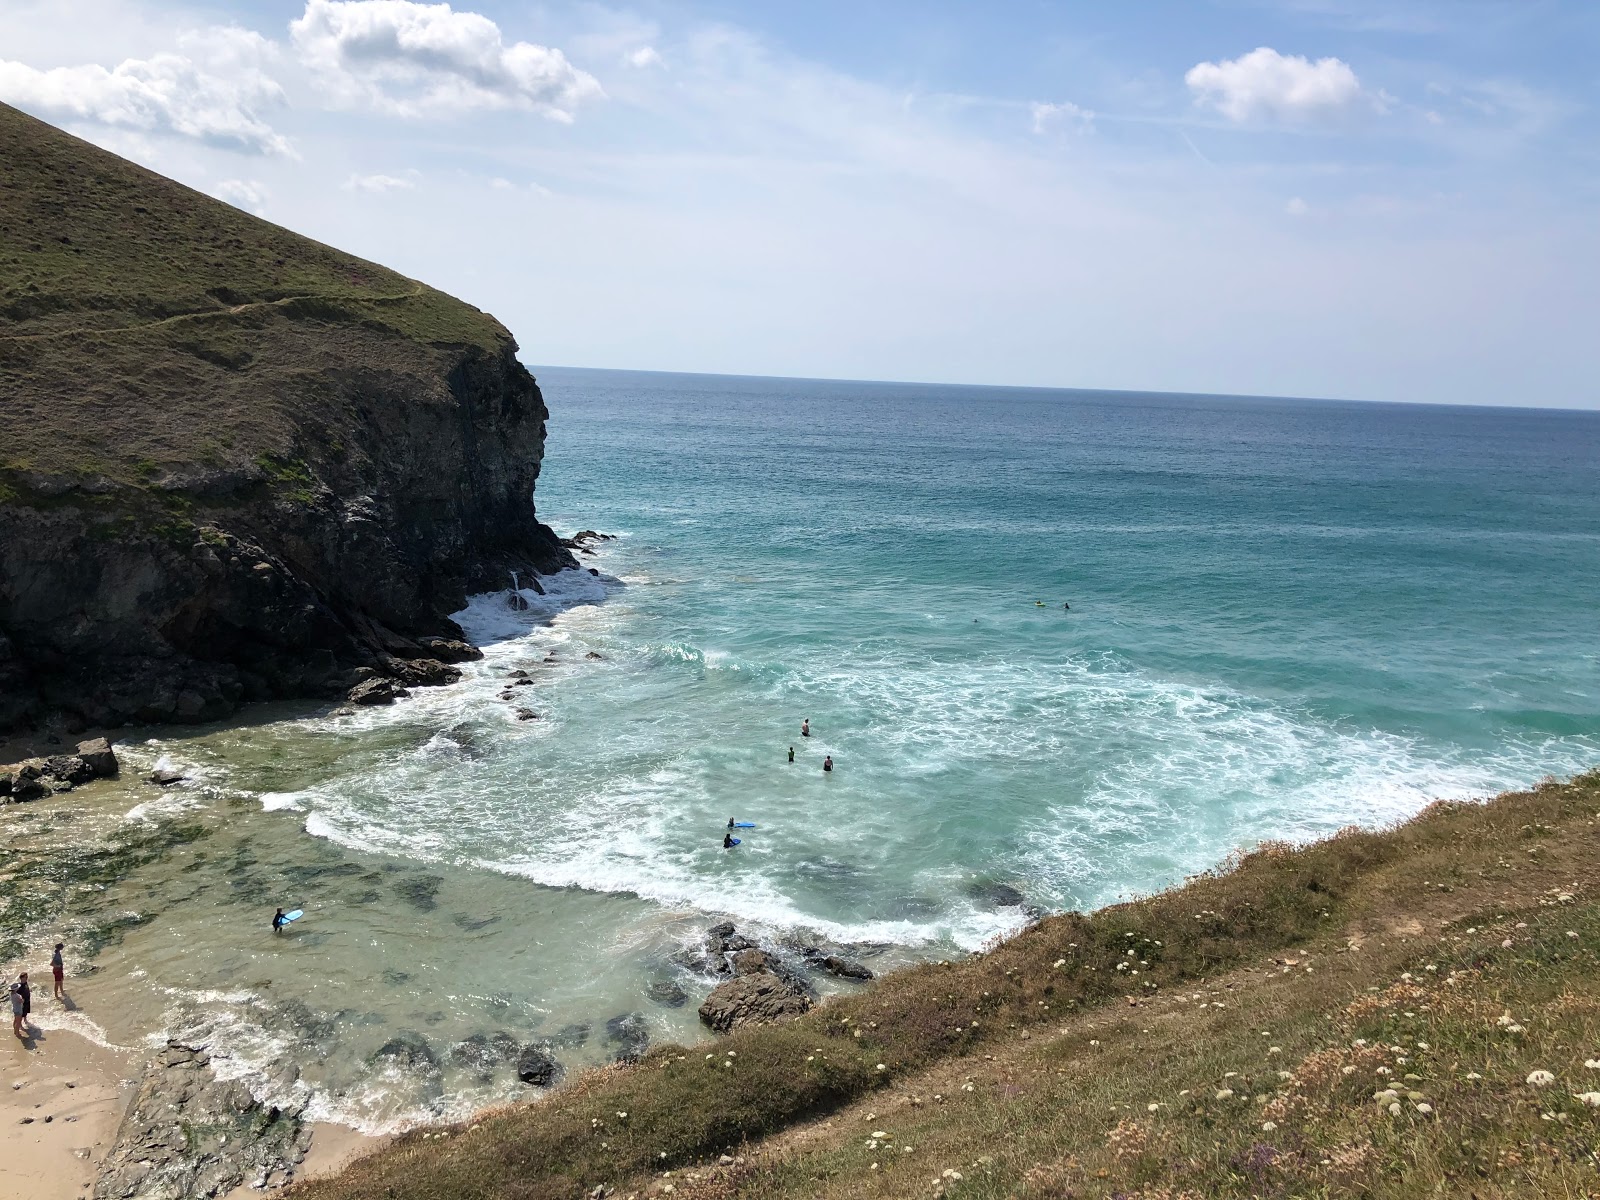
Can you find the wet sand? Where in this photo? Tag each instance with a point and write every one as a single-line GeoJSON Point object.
{"type": "Point", "coordinates": [60, 1103]}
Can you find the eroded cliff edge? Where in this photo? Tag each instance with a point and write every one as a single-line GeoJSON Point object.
{"type": "Point", "coordinates": [235, 464]}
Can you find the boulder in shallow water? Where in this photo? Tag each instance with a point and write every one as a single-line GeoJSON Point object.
{"type": "Point", "coordinates": [667, 993]}
{"type": "Point", "coordinates": [748, 962]}
{"type": "Point", "coordinates": [757, 999]}
{"type": "Point", "coordinates": [166, 773]}
{"type": "Point", "coordinates": [536, 1066]}
{"type": "Point", "coordinates": [630, 1034]}
{"type": "Point", "coordinates": [373, 691]}
{"type": "Point", "coordinates": [68, 769]}
{"type": "Point", "coordinates": [1001, 895]}
{"type": "Point", "coordinates": [100, 758]}
{"type": "Point", "coordinates": [409, 1049]}
{"type": "Point", "coordinates": [845, 968]}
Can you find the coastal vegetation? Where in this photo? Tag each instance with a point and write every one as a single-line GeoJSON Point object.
{"type": "Point", "coordinates": [1392, 1013]}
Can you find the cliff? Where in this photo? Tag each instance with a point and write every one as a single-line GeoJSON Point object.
{"type": "Point", "coordinates": [235, 464]}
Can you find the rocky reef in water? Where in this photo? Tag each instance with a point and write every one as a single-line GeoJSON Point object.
{"type": "Point", "coordinates": [236, 464]}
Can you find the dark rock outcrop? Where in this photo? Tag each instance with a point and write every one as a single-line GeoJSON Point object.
{"type": "Point", "coordinates": [186, 1134]}
{"type": "Point", "coordinates": [35, 778]}
{"type": "Point", "coordinates": [846, 968]}
{"type": "Point", "coordinates": [100, 757]}
{"type": "Point", "coordinates": [537, 1066]}
{"type": "Point", "coordinates": [630, 1035]}
{"type": "Point", "coordinates": [760, 998]}
{"type": "Point", "coordinates": [668, 993]}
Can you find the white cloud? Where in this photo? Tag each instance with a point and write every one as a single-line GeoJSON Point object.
{"type": "Point", "coordinates": [378, 183]}
{"type": "Point", "coordinates": [247, 194]}
{"type": "Point", "coordinates": [1265, 83]}
{"type": "Point", "coordinates": [212, 93]}
{"type": "Point", "coordinates": [410, 59]}
{"type": "Point", "coordinates": [644, 56]}
{"type": "Point", "coordinates": [1045, 115]}
{"type": "Point", "coordinates": [1297, 207]}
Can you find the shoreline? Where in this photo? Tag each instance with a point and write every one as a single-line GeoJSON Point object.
{"type": "Point", "coordinates": [63, 1101]}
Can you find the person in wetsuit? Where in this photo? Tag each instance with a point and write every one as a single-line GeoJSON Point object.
{"type": "Point", "coordinates": [278, 922]}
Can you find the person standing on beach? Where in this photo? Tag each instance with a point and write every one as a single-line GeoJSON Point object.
{"type": "Point", "coordinates": [27, 996]}
{"type": "Point", "coordinates": [17, 1012]}
{"type": "Point", "coordinates": [58, 968]}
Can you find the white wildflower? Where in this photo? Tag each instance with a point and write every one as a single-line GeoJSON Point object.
{"type": "Point", "coordinates": [1540, 1079]}
{"type": "Point", "coordinates": [1588, 1099]}
{"type": "Point", "coordinates": [1224, 1093]}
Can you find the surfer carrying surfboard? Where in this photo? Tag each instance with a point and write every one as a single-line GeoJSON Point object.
{"type": "Point", "coordinates": [278, 922]}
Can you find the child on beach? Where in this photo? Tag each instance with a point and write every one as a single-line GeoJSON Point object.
{"type": "Point", "coordinates": [58, 968]}
{"type": "Point", "coordinates": [17, 1011]}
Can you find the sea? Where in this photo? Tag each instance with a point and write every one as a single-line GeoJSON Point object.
{"type": "Point", "coordinates": [1070, 645]}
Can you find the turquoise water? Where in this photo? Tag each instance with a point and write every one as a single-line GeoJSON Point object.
{"type": "Point", "coordinates": [1285, 617]}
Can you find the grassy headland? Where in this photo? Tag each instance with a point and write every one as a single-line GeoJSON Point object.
{"type": "Point", "coordinates": [1359, 1017]}
{"type": "Point", "coordinates": [145, 327]}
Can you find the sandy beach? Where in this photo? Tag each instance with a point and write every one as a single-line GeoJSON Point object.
{"type": "Point", "coordinates": [62, 1096]}
{"type": "Point", "coordinates": [60, 1103]}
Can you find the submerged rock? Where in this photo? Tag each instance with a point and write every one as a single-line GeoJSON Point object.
{"type": "Point", "coordinates": [373, 691]}
{"type": "Point", "coordinates": [630, 1034]}
{"type": "Point", "coordinates": [409, 1049]}
{"type": "Point", "coordinates": [756, 999]}
{"type": "Point", "coordinates": [1001, 895]}
{"type": "Point", "coordinates": [845, 968]}
{"type": "Point", "coordinates": [482, 1053]}
{"type": "Point", "coordinates": [667, 993]}
{"type": "Point", "coordinates": [537, 1066]}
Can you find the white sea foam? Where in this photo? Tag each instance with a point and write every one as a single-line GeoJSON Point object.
{"type": "Point", "coordinates": [74, 1021]}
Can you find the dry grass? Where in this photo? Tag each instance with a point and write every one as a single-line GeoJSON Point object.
{"type": "Point", "coordinates": [1030, 1071]}
{"type": "Point", "coordinates": [149, 333]}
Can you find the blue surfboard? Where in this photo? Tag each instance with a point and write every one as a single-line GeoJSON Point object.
{"type": "Point", "coordinates": [735, 841]}
{"type": "Point", "coordinates": [293, 916]}
{"type": "Point", "coordinates": [744, 825]}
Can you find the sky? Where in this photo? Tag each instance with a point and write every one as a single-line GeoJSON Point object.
{"type": "Point", "coordinates": [1366, 199]}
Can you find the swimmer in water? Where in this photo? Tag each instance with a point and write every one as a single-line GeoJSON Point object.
{"type": "Point", "coordinates": [791, 753]}
{"type": "Point", "coordinates": [727, 841]}
{"type": "Point", "coordinates": [805, 727]}
{"type": "Point", "coordinates": [827, 763]}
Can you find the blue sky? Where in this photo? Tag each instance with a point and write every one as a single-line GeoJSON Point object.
{"type": "Point", "coordinates": [1390, 201]}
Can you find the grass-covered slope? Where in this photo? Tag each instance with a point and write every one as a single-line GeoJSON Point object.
{"type": "Point", "coordinates": [1362, 1017]}
{"type": "Point", "coordinates": [119, 288]}
{"type": "Point", "coordinates": [226, 449]}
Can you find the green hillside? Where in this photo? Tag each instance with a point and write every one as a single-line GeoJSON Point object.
{"type": "Point", "coordinates": [139, 318]}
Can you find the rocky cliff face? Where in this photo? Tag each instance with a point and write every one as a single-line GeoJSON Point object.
{"type": "Point", "coordinates": [235, 464]}
{"type": "Point", "coordinates": [302, 576]}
